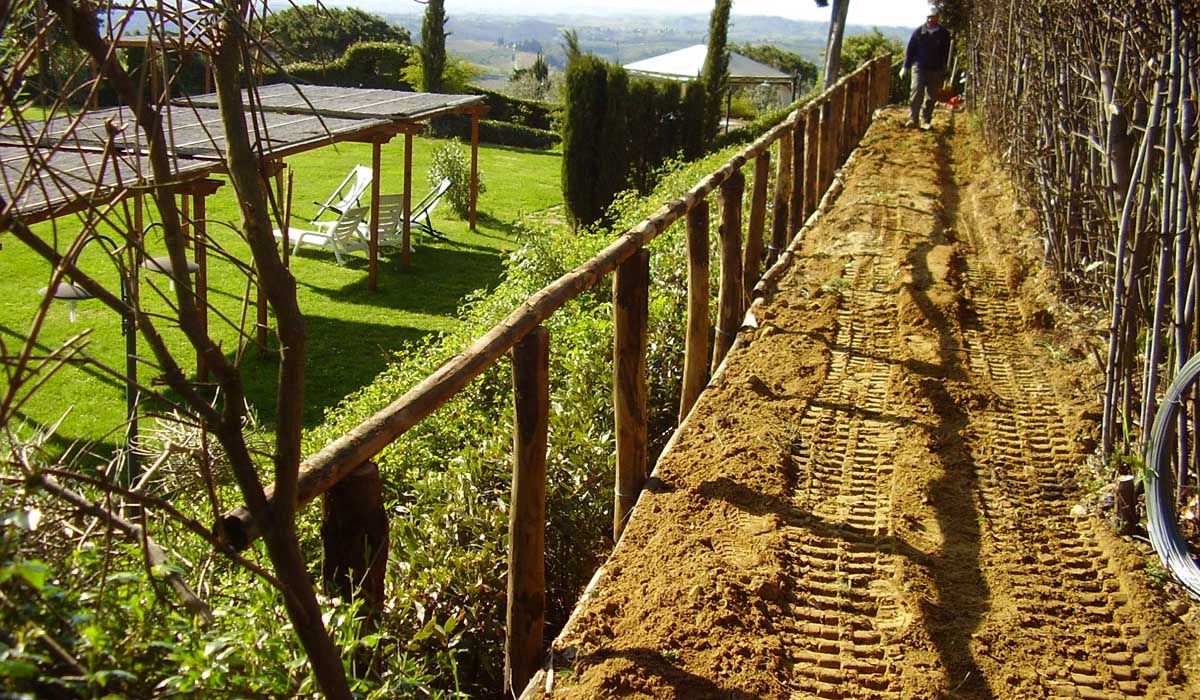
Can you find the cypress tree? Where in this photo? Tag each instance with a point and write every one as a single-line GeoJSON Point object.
{"type": "Point", "coordinates": [584, 85]}
{"type": "Point", "coordinates": [692, 131]}
{"type": "Point", "coordinates": [433, 46]}
{"type": "Point", "coordinates": [716, 67]}
{"type": "Point", "coordinates": [670, 136]}
{"type": "Point", "coordinates": [613, 158]}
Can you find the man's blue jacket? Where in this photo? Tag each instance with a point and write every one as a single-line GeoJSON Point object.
{"type": "Point", "coordinates": [928, 48]}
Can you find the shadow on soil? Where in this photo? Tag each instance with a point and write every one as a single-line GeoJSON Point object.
{"type": "Point", "coordinates": [962, 592]}
{"type": "Point", "coordinates": [651, 663]}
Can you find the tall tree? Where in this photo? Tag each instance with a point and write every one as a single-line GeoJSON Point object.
{"type": "Point", "coordinates": [319, 33]}
{"type": "Point", "coordinates": [716, 67]}
{"type": "Point", "coordinates": [433, 46]}
{"type": "Point", "coordinates": [833, 49]}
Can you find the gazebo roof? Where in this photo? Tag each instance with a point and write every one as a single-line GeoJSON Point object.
{"type": "Point", "coordinates": [67, 158]}
{"type": "Point", "coordinates": [686, 64]}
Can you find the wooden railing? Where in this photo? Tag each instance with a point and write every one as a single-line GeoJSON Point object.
{"type": "Point", "coordinates": [810, 144]}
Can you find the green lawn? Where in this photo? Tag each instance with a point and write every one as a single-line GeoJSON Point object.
{"type": "Point", "coordinates": [352, 332]}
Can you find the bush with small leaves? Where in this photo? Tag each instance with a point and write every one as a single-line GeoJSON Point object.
{"type": "Point", "coordinates": [450, 161]}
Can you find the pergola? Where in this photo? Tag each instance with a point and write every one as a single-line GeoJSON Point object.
{"type": "Point", "coordinates": [70, 163]}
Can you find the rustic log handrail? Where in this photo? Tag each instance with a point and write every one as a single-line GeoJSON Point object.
{"type": "Point", "coordinates": [330, 464]}
{"type": "Point", "coordinates": [813, 141]}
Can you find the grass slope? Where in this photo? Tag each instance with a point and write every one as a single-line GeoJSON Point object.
{"type": "Point", "coordinates": [352, 331]}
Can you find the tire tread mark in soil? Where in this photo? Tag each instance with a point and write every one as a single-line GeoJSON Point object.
{"type": "Point", "coordinates": [845, 616]}
{"type": "Point", "coordinates": [1024, 456]}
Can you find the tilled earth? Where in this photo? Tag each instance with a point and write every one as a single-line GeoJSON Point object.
{"type": "Point", "coordinates": [885, 495]}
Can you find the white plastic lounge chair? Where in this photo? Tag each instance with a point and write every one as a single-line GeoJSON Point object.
{"type": "Point", "coordinates": [425, 207]}
{"type": "Point", "coordinates": [341, 236]}
{"type": "Point", "coordinates": [348, 194]}
{"type": "Point", "coordinates": [391, 216]}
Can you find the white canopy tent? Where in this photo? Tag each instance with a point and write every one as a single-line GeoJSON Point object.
{"type": "Point", "coordinates": [686, 64]}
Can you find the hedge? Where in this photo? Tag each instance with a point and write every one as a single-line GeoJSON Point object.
{"type": "Point", "coordinates": [374, 64]}
{"type": "Point", "coordinates": [495, 132]}
{"type": "Point", "coordinates": [527, 113]}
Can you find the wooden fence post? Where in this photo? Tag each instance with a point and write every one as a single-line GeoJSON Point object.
{"type": "Point", "coordinates": [729, 300]}
{"type": "Point", "coordinates": [752, 256]}
{"type": "Point", "coordinates": [883, 88]}
{"type": "Point", "coordinates": [796, 201]}
{"type": "Point", "coordinates": [779, 203]}
{"type": "Point", "coordinates": [695, 354]}
{"type": "Point", "coordinates": [526, 611]}
{"type": "Point", "coordinates": [631, 298]}
{"type": "Point", "coordinates": [848, 112]}
{"type": "Point", "coordinates": [812, 150]}
{"type": "Point", "coordinates": [354, 537]}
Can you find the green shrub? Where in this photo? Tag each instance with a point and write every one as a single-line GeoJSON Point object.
{"type": "Point", "coordinates": [366, 65]}
{"type": "Point", "coordinates": [447, 480]}
{"type": "Point", "coordinates": [450, 161]}
{"type": "Point", "coordinates": [595, 136]}
{"type": "Point", "coordinates": [496, 132]}
{"type": "Point", "coordinates": [528, 113]}
{"type": "Point", "coordinates": [752, 130]}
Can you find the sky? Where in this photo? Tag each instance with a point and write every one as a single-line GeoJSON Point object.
{"type": "Point", "coordinates": [866, 12]}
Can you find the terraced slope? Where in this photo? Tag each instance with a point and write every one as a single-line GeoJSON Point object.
{"type": "Point", "coordinates": [885, 494]}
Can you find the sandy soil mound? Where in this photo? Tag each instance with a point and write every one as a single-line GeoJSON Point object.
{"type": "Point", "coordinates": [883, 495]}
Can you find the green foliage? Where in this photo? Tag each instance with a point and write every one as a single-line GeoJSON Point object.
{"type": "Point", "coordinates": [594, 136]}
{"type": "Point", "coordinates": [433, 47]}
{"type": "Point", "coordinates": [496, 132]}
{"type": "Point", "coordinates": [715, 74]}
{"type": "Point", "coordinates": [450, 160]}
{"type": "Point", "coordinates": [457, 75]}
{"type": "Point", "coordinates": [694, 143]}
{"type": "Point", "coordinates": [320, 33]}
{"type": "Point", "coordinates": [659, 124]}
{"type": "Point", "coordinates": [530, 113]}
{"type": "Point", "coordinates": [534, 80]}
{"type": "Point", "coordinates": [367, 65]}
{"type": "Point", "coordinates": [61, 71]}
{"type": "Point", "coordinates": [860, 48]}
{"type": "Point", "coordinates": [448, 479]}
{"type": "Point", "coordinates": [752, 130]}
{"type": "Point", "coordinates": [794, 64]}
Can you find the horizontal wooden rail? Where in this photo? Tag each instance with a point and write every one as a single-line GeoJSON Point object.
{"type": "Point", "coordinates": [337, 459]}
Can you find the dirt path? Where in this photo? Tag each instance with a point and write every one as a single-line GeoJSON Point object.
{"type": "Point", "coordinates": [884, 496]}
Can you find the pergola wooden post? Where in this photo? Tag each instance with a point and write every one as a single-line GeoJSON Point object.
{"type": "Point", "coordinates": [377, 137]}
{"type": "Point", "coordinates": [406, 225]}
{"type": "Point", "coordinates": [376, 161]}
{"type": "Point", "coordinates": [200, 191]}
{"type": "Point", "coordinates": [476, 112]}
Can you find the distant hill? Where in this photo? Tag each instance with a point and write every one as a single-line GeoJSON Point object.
{"type": "Point", "coordinates": [496, 42]}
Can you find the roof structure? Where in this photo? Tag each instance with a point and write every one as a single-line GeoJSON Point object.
{"type": "Point", "coordinates": [47, 182]}
{"type": "Point", "coordinates": [352, 103]}
{"type": "Point", "coordinates": [686, 64]}
{"type": "Point", "coordinates": [68, 158]}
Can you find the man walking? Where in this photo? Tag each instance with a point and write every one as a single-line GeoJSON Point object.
{"type": "Point", "coordinates": [927, 56]}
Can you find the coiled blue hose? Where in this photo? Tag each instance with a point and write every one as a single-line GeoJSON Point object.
{"type": "Point", "coordinates": [1172, 548]}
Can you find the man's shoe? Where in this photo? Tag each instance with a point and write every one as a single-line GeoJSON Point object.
{"type": "Point", "coordinates": [910, 124]}
{"type": "Point", "coordinates": [926, 126]}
